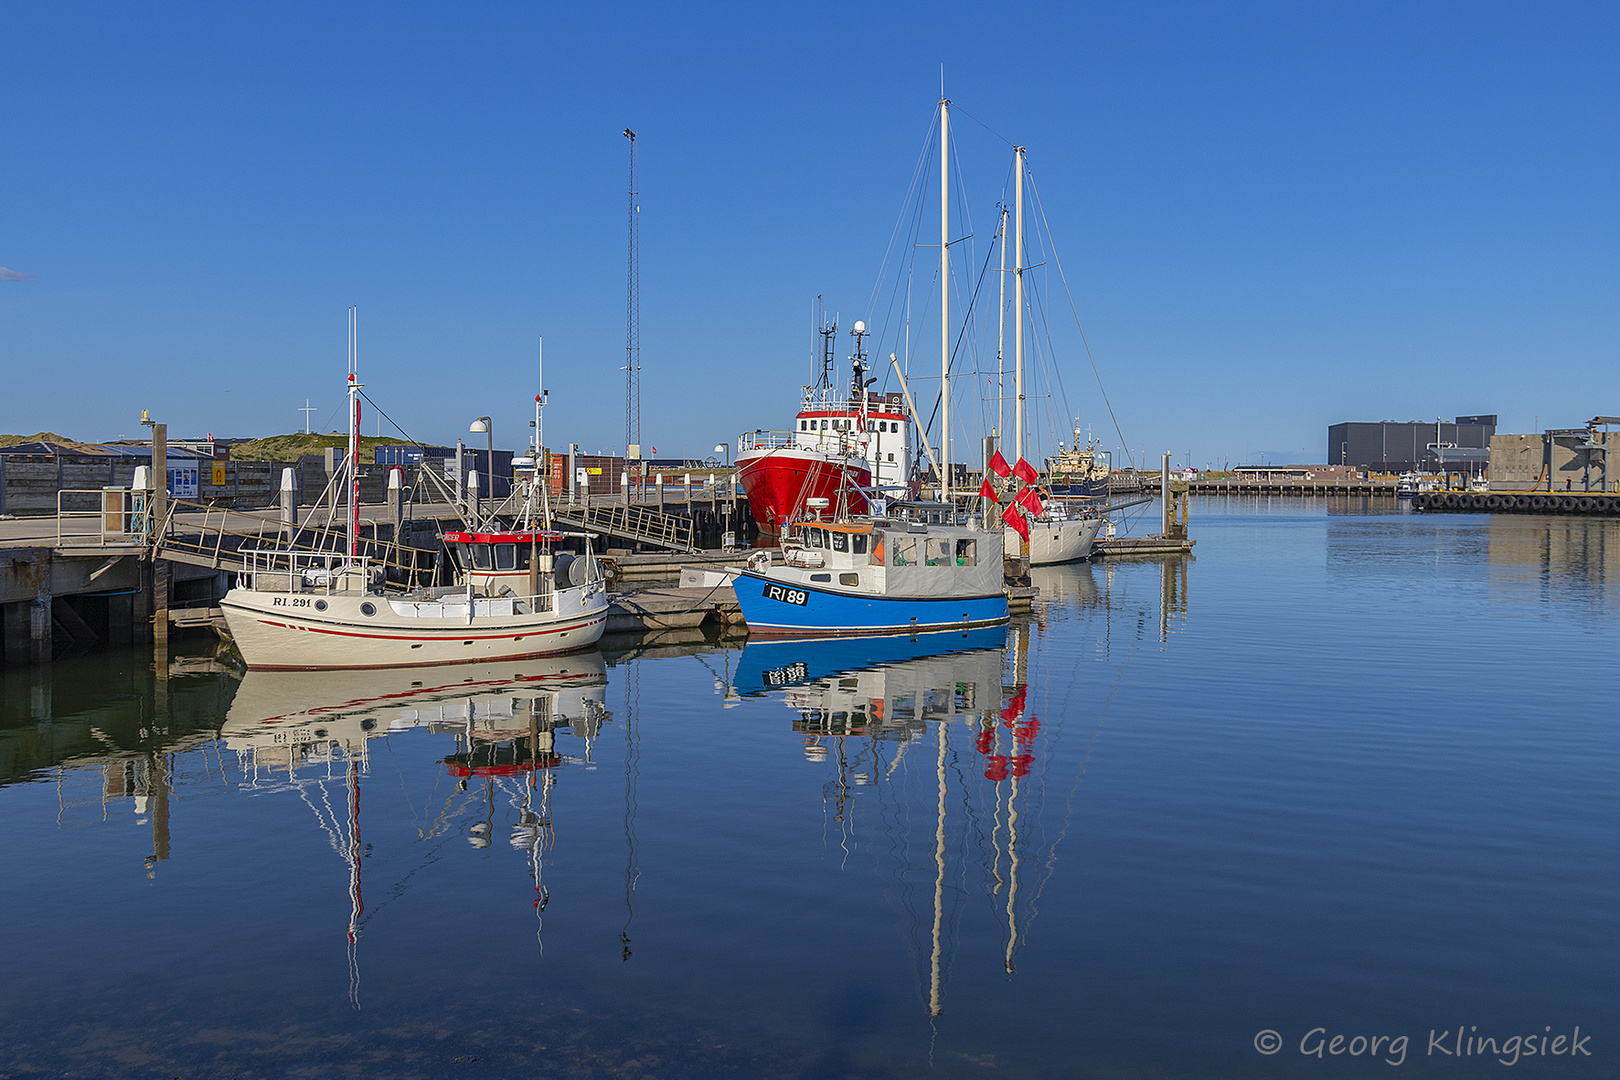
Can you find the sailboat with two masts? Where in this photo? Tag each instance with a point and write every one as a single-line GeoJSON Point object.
{"type": "Point", "coordinates": [1046, 530]}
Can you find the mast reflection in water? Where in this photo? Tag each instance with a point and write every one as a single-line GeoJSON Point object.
{"type": "Point", "coordinates": [310, 732]}
{"type": "Point", "coordinates": [863, 703]}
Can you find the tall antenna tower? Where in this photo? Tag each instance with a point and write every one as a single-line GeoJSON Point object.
{"type": "Point", "coordinates": [632, 344]}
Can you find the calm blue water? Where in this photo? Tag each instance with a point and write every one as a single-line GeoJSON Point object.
{"type": "Point", "coordinates": [1353, 771]}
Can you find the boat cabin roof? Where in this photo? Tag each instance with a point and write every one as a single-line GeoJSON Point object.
{"type": "Point", "coordinates": [836, 526]}
{"type": "Point", "coordinates": [931, 513]}
{"type": "Point", "coordinates": [530, 536]}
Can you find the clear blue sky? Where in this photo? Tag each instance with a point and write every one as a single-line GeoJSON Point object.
{"type": "Point", "coordinates": [1273, 217]}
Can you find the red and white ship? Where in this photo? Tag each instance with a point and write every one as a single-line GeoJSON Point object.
{"type": "Point", "coordinates": [847, 444]}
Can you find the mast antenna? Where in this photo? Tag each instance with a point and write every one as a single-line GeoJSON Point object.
{"type": "Point", "coordinates": [632, 345]}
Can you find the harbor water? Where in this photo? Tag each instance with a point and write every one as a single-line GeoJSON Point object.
{"type": "Point", "coordinates": [1338, 796]}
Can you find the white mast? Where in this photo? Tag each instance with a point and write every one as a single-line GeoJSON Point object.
{"type": "Point", "coordinates": [945, 297]}
{"type": "Point", "coordinates": [1001, 336]}
{"type": "Point", "coordinates": [1018, 307]}
{"type": "Point", "coordinates": [354, 433]}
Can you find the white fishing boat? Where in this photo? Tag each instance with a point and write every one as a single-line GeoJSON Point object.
{"type": "Point", "coordinates": [300, 609]}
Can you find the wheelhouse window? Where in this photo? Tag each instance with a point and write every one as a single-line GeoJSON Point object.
{"type": "Point", "coordinates": [839, 541]}
{"type": "Point", "coordinates": [815, 537]}
{"type": "Point", "coordinates": [480, 556]}
{"type": "Point", "coordinates": [938, 552]}
{"type": "Point", "coordinates": [505, 557]}
{"type": "Point", "coordinates": [967, 553]}
{"type": "Point", "coordinates": [857, 543]}
{"type": "Point", "coordinates": [904, 551]}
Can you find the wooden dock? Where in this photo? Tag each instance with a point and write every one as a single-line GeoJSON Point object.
{"type": "Point", "coordinates": [1285, 486]}
{"type": "Point", "coordinates": [1121, 546]}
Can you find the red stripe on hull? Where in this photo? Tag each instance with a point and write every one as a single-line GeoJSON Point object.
{"type": "Point", "coordinates": [778, 482]}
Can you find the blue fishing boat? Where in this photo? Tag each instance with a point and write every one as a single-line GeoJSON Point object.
{"type": "Point", "coordinates": [907, 568]}
{"type": "Point", "coordinates": [913, 571]}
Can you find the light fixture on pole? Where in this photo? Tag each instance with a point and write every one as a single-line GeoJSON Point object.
{"type": "Point", "coordinates": [724, 448]}
{"type": "Point", "coordinates": [485, 426]}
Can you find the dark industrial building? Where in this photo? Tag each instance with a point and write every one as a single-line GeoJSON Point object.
{"type": "Point", "coordinates": [1393, 447]}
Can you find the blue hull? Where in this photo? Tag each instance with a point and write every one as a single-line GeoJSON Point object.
{"type": "Point", "coordinates": [808, 611]}
{"type": "Point", "coordinates": [768, 665]}
{"type": "Point", "coordinates": [1083, 489]}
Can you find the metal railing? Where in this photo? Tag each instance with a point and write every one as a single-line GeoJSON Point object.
{"type": "Point", "coordinates": [118, 518]}
{"type": "Point", "coordinates": [225, 539]}
{"type": "Point", "coordinates": [630, 523]}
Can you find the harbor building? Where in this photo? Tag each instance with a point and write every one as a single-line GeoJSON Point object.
{"type": "Point", "coordinates": [1392, 446]}
{"type": "Point", "coordinates": [1559, 460]}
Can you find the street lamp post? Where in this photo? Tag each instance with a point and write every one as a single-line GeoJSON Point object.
{"type": "Point", "coordinates": [484, 425]}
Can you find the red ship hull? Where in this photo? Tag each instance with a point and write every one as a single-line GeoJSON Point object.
{"type": "Point", "coordinates": [777, 483]}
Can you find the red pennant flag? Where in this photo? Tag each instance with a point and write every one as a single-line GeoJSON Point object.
{"type": "Point", "coordinates": [998, 465]}
{"type": "Point", "coordinates": [1030, 500]}
{"type": "Point", "coordinates": [987, 492]}
{"type": "Point", "coordinates": [1014, 520]}
{"type": "Point", "coordinates": [1024, 471]}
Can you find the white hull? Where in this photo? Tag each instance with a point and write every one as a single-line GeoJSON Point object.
{"type": "Point", "coordinates": [302, 631]}
{"type": "Point", "coordinates": [1055, 542]}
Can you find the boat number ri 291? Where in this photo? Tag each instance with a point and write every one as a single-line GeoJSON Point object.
{"type": "Point", "coordinates": [787, 596]}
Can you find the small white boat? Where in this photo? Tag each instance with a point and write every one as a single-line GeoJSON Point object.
{"type": "Point", "coordinates": [303, 610]}
{"type": "Point", "coordinates": [1060, 535]}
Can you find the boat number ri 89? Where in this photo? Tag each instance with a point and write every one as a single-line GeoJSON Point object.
{"type": "Point", "coordinates": [787, 596]}
{"type": "Point", "coordinates": [296, 601]}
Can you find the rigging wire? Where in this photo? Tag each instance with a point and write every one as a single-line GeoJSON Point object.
{"type": "Point", "coordinates": [1041, 210]}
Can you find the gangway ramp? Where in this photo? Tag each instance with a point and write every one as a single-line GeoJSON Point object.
{"type": "Point", "coordinates": [634, 523]}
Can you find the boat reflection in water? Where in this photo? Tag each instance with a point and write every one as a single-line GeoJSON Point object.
{"type": "Point", "coordinates": [861, 703]}
{"type": "Point", "coordinates": [308, 731]}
